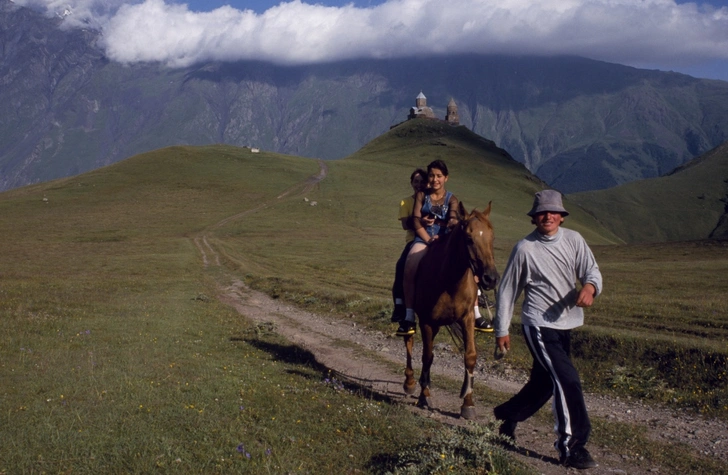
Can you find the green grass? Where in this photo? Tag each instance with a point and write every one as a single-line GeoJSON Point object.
{"type": "Point", "coordinates": [118, 358]}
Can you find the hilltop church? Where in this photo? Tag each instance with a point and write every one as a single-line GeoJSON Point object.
{"type": "Point", "coordinates": [421, 110]}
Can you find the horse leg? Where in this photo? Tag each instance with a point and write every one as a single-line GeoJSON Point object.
{"type": "Point", "coordinates": [467, 410]}
{"type": "Point", "coordinates": [428, 337]}
{"type": "Point", "coordinates": [409, 380]}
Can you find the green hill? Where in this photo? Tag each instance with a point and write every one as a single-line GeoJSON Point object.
{"type": "Point", "coordinates": [691, 203]}
{"type": "Point", "coordinates": [479, 172]}
{"type": "Point", "coordinates": [116, 355]}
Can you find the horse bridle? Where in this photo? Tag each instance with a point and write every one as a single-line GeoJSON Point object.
{"type": "Point", "coordinates": [472, 262]}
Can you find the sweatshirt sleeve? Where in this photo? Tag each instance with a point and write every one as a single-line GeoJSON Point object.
{"type": "Point", "coordinates": [509, 290]}
{"type": "Point", "coordinates": [587, 269]}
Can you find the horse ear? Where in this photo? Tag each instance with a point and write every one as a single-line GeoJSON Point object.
{"type": "Point", "coordinates": [486, 211]}
{"type": "Point", "coordinates": [461, 211]}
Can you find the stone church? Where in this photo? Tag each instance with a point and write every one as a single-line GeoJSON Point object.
{"type": "Point", "coordinates": [422, 110]}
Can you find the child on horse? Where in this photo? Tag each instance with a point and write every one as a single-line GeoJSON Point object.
{"type": "Point", "coordinates": [418, 182]}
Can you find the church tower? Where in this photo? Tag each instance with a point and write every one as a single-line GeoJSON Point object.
{"type": "Point", "coordinates": [452, 117]}
{"type": "Point", "coordinates": [420, 110]}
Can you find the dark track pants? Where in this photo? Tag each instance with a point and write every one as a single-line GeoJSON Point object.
{"type": "Point", "coordinates": [398, 286]}
{"type": "Point", "coordinates": [552, 374]}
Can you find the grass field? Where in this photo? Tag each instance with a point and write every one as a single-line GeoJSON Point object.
{"type": "Point", "coordinates": [116, 356]}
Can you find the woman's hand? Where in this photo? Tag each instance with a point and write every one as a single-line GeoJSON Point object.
{"type": "Point", "coordinates": [427, 221]}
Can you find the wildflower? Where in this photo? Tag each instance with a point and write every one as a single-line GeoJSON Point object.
{"type": "Point", "coordinates": [241, 449]}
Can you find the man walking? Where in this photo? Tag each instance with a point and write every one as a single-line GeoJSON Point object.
{"type": "Point", "coordinates": [544, 266]}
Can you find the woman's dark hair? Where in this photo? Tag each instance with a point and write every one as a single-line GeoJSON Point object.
{"type": "Point", "coordinates": [439, 164]}
{"type": "Point", "coordinates": [420, 172]}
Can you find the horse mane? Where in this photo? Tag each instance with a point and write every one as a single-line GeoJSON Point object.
{"type": "Point", "coordinates": [456, 329]}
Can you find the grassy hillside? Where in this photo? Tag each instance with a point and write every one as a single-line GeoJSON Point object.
{"type": "Point", "coordinates": [117, 357]}
{"type": "Point", "coordinates": [355, 220]}
{"type": "Point", "coordinates": [689, 204]}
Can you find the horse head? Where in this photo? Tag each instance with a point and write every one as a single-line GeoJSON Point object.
{"type": "Point", "coordinates": [478, 235]}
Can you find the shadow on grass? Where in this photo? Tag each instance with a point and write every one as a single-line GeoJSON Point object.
{"type": "Point", "coordinates": [293, 354]}
{"type": "Point", "coordinates": [529, 453]}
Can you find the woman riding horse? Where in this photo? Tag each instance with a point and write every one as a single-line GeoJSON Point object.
{"type": "Point", "coordinates": [435, 211]}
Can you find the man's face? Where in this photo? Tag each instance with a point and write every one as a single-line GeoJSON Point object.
{"type": "Point", "coordinates": [418, 183]}
{"type": "Point", "coordinates": [548, 222]}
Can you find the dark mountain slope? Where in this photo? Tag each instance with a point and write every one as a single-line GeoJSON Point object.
{"type": "Point", "coordinates": [689, 204]}
{"type": "Point", "coordinates": [579, 124]}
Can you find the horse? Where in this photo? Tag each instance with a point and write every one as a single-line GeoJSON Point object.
{"type": "Point", "coordinates": [446, 293]}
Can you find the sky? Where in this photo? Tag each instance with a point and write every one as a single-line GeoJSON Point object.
{"type": "Point", "coordinates": [669, 35]}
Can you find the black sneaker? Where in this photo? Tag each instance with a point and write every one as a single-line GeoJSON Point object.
{"type": "Point", "coordinates": [398, 314]}
{"type": "Point", "coordinates": [508, 429]}
{"type": "Point", "coordinates": [406, 328]}
{"type": "Point", "coordinates": [579, 458]}
{"type": "Point", "coordinates": [482, 324]}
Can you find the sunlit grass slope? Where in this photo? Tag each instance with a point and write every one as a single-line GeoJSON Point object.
{"type": "Point", "coordinates": [338, 256]}
{"type": "Point", "coordinates": [349, 241]}
{"type": "Point", "coordinates": [689, 204]}
{"type": "Point", "coordinates": [116, 357]}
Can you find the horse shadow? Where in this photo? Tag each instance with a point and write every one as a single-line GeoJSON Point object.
{"type": "Point", "coordinates": [294, 354]}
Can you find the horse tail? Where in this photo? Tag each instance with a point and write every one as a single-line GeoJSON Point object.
{"type": "Point", "coordinates": [455, 330]}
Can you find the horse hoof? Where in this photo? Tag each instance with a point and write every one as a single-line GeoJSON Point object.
{"type": "Point", "coordinates": [409, 390]}
{"type": "Point", "coordinates": [467, 413]}
{"type": "Point", "coordinates": [424, 403]}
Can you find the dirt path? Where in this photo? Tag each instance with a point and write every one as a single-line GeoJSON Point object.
{"type": "Point", "coordinates": [376, 360]}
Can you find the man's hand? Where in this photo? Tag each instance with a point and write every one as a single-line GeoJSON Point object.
{"type": "Point", "coordinates": [502, 346]}
{"type": "Point", "coordinates": [586, 296]}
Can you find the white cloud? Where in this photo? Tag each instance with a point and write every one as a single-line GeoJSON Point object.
{"type": "Point", "coordinates": [659, 33]}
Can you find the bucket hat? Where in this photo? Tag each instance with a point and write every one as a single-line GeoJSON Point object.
{"type": "Point", "coordinates": [548, 200]}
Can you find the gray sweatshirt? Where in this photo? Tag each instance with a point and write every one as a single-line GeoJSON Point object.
{"type": "Point", "coordinates": [546, 267]}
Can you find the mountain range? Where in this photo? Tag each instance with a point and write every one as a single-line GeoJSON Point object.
{"type": "Point", "coordinates": [578, 124]}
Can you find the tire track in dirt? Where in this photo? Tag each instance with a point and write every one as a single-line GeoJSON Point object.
{"type": "Point", "coordinates": [371, 358]}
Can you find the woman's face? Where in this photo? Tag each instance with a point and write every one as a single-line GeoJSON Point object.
{"type": "Point", "coordinates": [436, 179]}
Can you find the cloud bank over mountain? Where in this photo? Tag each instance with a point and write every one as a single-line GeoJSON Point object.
{"type": "Point", "coordinates": [649, 33]}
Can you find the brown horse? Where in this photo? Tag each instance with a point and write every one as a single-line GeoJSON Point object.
{"type": "Point", "coordinates": [446, 294]}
